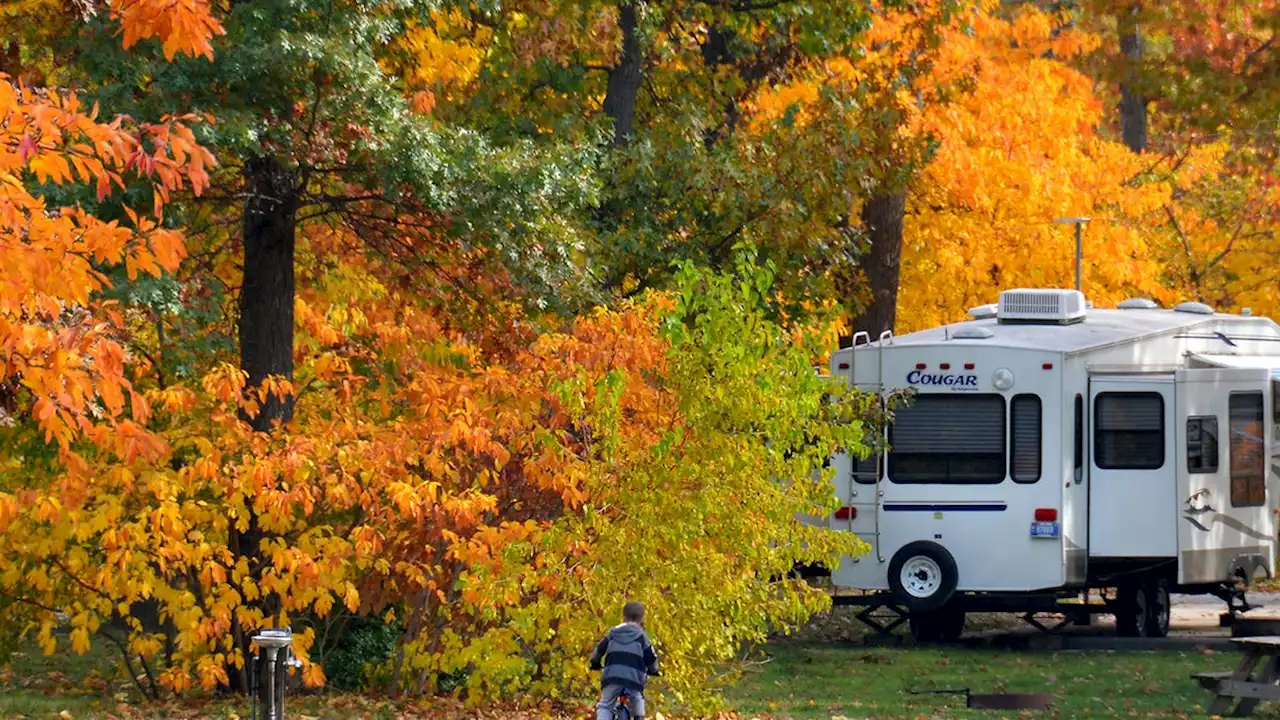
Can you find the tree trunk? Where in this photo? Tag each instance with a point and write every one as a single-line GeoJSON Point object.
{"type": "Point", "coordinates": [1133, 107]}
{"type": "Point", "coordinates": [266, 297]}
{"type": "Point", "coordinates": [266, 324]}
{"type": "Point", "coordinates": [882, 218]}
{"type": "Point", "coordinates": [624, 78]}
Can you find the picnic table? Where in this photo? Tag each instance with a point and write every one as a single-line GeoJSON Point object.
{"type": "Point", "coordinates": [1247, 685]}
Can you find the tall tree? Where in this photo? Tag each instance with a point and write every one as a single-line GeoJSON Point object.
{"type": "Point", "coordinates": [1133, 106]}
{"type": "Point", "coordinates": [313, 129]}
{"type": "Point", "coordinates": [668, 88]}
{"type": "Point", "coordinates": [897, 86]}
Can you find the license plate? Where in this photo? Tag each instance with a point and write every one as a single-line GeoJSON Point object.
{"type": "Point", "coordinates": [1044, 529]}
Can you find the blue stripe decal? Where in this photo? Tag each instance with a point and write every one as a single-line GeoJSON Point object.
{"type": "Point", "coordinates": [944, 507]}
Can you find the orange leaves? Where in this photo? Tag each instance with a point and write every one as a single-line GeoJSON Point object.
{"type": "Point", "coordinates": [183, 26]}
{"type": "Point", "coordinates": [1016, 151]}
{"type": "Point", "coordinates": [51, 335]}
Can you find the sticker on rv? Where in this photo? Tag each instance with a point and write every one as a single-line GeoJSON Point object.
{"type": "Point", "coordinates": [953, 381]}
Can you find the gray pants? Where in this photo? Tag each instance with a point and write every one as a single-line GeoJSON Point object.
{"type": "Point", "coordinates": [609, 696]}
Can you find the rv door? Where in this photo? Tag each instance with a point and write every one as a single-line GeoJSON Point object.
{"type": "Point", "coordinates": [1226, 523]}
{"type": "Point", "coordinates": [1132, 471]}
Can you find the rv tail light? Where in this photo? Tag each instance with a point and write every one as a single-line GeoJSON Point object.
{"type": "Point", "coordinates": [968, 366]}
{"type": "Point", "coordinates": [1048, 366]}
{"type": "Point", "coordinates": [844, 366]}
{"type": "Point", "coordinates": [921, 366]}
{"type": "Point", "coordinates": [1046, 514]}
{"type": "Point", "coordinates": [847, 513]}
{"type": "Point", "coordinates": [945, 366]}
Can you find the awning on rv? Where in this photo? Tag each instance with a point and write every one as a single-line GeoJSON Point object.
{"type": "Point", "coordinates": [1266, 362]}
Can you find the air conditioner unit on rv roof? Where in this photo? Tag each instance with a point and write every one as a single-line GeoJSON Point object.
{"type": "Point", "coordinates": [1041, 306]}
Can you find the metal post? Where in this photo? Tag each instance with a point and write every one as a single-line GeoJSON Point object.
{"type": "Point", "coordinates": [1078, 222]}
{"type": "Point", "coordinates": [273, 651]}
{"type": "Point", "coordinates": [1079, 256]}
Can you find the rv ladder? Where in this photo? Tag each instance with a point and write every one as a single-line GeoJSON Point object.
{"type": "Point", "coordinates": [860, 475]}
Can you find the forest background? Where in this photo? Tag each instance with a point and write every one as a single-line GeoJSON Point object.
{"type": "Point", "coordinates": [434, 330]}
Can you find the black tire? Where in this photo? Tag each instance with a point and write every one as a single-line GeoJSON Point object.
{"type": "Point", "coordinates": [1131, 610]}
{"type": "Point", "coordinates": [1159, 609]}
{"type": "Point", "coordinates": [931, 576]}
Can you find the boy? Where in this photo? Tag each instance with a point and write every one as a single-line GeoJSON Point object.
{"type": "Point", "coordinates": [628, 661]}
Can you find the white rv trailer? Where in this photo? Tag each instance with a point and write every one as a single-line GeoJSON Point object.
{"type": "Point", "coordinates": [1052, 447]}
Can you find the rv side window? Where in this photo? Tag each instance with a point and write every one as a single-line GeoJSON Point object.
{"type": "Point", "coordinates": [1128, 431]}
{"type": "Point", "coordinates": [956, 439]}
{"type": "Point", "coordinates": [1275, 401]}
{"type": "Point", "coordinates": [1024, 451]}
{"type": "Point", "coordinates": [1202, 444]}
{"type": "Point", "coordinates": [1079, 438]}
{"type": "Point", "coordinates": [1248, 469]}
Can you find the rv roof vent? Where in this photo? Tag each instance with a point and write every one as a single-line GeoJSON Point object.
{"type": "Point", "coordinates": [971, 332]}
{"type": "Point", "coordinates": [1137, 304]}
{"type": "Point", "coordinates": [1042, 306]}
{"type": "Point", "coordinates": [982, 312]}
{"type": "Point", "coordinates": [1197, 308]}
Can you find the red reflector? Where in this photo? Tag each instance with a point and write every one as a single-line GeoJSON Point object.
{"type": "Point", "coordinates": [1046, 514]}
{"type": "Point", "coordinates": [945, 366]}
{"type": "Point", "coordinates": [921, 366]}
{"type": "Point", "coordinates": [1048, 366]}
{"type": "Point", "coordinates": [968, 366]}
{"type": "Point", "coordinates": [844, 366]}
{"type": "Point", "coordinates": [847, 513]}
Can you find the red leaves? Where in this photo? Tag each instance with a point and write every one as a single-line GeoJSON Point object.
{"type": "Point", "coordinates": [26, 148]}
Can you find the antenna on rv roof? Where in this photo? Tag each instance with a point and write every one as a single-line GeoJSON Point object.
{"type": "Point", "coordinates": [1079, 222]}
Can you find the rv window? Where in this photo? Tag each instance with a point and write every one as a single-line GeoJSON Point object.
{"type": "Point", "coordinates": [1128, 431]}
{"type": "Point", "coordinates": [1079, 438]}
{"type": "Point", "coordinates": [1202, 444]}
{"type": "Point", "coordinates": [956, 439]}
{"type": "Point", "coordinates": [1248, 468]}
{"type": "Point", "coordinates": [1024, 451]}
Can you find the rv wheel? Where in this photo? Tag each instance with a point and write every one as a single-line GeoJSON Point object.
{"type": "Point", "coordinates": [922, 576]}
{"type": "Point", "coordinates": [1132, 614]}
{"type": "Point", "coordinates": [1158, 609]}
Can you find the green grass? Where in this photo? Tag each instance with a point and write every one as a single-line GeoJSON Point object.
{"type": "Point", "coordinates": [812, 681]}
{"type": "Point", "coordinates": [89, 685]}
{"type": "Point", "coordinates": [797, 681]}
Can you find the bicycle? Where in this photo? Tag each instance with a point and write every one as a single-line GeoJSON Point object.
{"type": "Point", "coordinates": [622, 707]}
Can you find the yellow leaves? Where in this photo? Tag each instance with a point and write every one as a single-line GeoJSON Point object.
{"type": "Point", "coordinates": [48, 509]}
{"type": "Point", "coordinates": [443, 62]}
{"type": "Point", "coordinates": [225, 382]}
{"type": "Point", "coordinates": [1016, 152]}
{"type": "Point", "coordinates": [80, 640]}
{"type": "Point", "coordinates": [771, 104]}
{"type": "Point", "coordinates": [313, 675]}
{"type": "Point", "coordinates": [46, 167]}
{"type": "Point", "coordinates": [212, 672]}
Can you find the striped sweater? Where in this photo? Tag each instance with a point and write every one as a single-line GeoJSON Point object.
{"type": "Point", "coordinates": [627, 657]}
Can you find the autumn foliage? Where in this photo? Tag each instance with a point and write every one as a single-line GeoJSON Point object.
{"type": "Point", "coordinates": [498, 510]}
{"type": "Point", "coordinates": [494, 505]}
